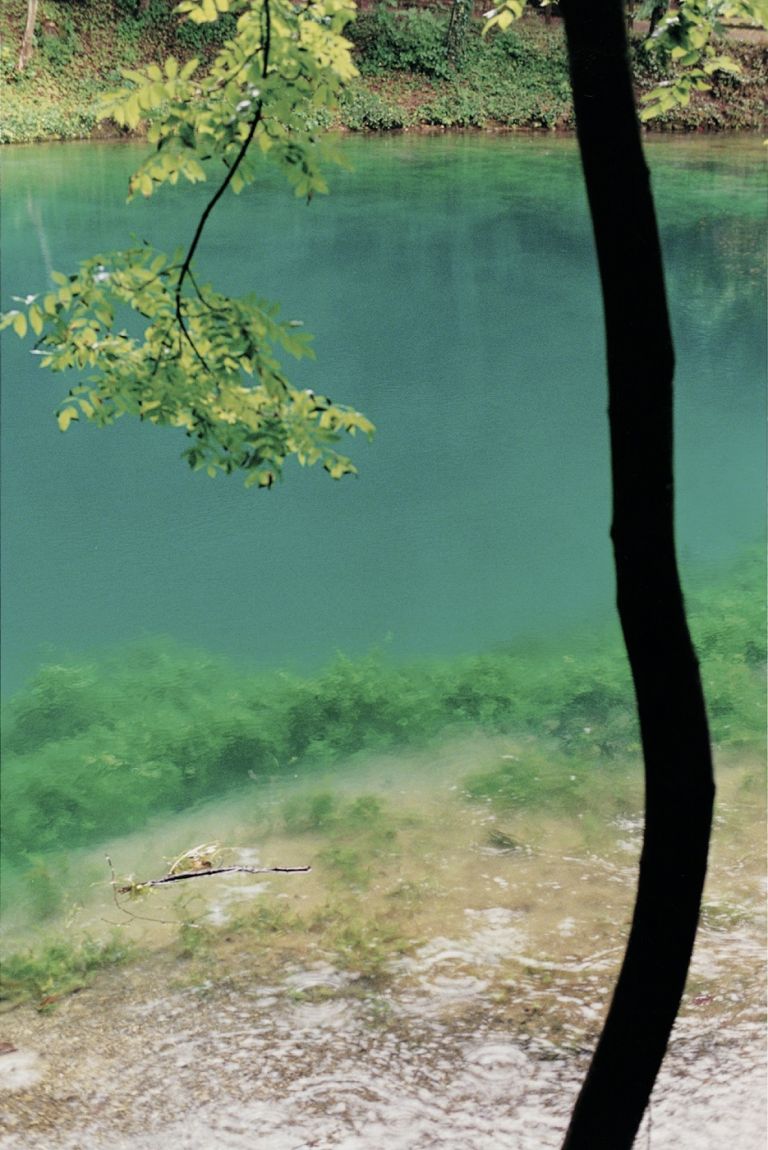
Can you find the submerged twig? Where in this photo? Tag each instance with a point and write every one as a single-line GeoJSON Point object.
{"type": "Point", "coordinates": [122, 908]}
{"type": "Point", "coordinates": [204, 871]}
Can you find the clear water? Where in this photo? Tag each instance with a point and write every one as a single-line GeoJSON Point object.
{"type": "Point", "coordinates": [451, 286]}
{"type": "Point", "coordinates": [439, 977]}
{"type": "Point", "coordinates": [473, 1034]}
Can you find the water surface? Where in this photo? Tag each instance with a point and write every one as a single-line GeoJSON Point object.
{"type": "Point", "coordinates": [451, 286]}
{"type": "Point", "coordinates": [440, 975]}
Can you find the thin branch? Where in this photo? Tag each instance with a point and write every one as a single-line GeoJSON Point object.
{"type": "Point", "coordinates": [256, 120]}
{"type": "Point", "coordinates": [206, 871]}
{"type": "Point", "coordinates": [203, 300]}
{"type": "Point", "coordinates": [123, 909]}
{"type": "Point", "coordinates": [185, 330]}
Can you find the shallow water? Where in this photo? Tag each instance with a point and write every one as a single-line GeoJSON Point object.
{"type": "Point", "coordinates": [474, 1032]}
{"type": "Point", "coordinates": [245, 1071]}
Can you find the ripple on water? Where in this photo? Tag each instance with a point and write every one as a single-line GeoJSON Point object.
{"type": "Point", "coordinates": [415, 1086]}
{"type": "Point", "coordinates": [19, 1069]}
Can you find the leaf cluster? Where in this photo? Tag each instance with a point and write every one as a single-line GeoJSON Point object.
{"type": "Point", "coordinates": [691, 37]}
{"type": "Point", "coordinates": [204, 361]}
{"type": "Point", "coordinates": [688, 35]}
{"type": "Point", "coordinates": [411, 41]}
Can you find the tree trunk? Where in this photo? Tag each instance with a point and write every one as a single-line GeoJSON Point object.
{"type": "Point", "coordinates": [679, 788]}
{"type": "Point", "coordinates": [455, 37]}
{"type": "Point", "coordinates": [28, 40]}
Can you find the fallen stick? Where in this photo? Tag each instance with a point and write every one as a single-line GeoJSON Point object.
{"type": "Point", "coordinates": [204, 871]}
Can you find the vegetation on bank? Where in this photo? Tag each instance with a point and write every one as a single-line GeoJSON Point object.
{"type": "Point", "coordinates": [516, 79]}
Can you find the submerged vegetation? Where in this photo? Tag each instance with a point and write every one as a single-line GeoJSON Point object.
{"type": "Point", "coordinates": [94, 748]}
{"type": "Point", "coordinates": [58, 969]}
{"type": "Point", "coordinates": [515, 79]}
{"type": "Point", "coordinates": [429, 800]}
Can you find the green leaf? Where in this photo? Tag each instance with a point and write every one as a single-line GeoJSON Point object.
{"type": "Point", "coordinates": [20, 324]}
{"type": "Point", "coordinates": [65, 417]}
{"type": "Point", "coordinates": [722, 64]}
{"type": "Point", "coordinates": [36, 319]}
{"type": "Point", "coordinates": [189, 69]}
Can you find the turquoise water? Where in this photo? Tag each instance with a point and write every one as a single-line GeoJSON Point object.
{"type": "Point", "coordinates": [471, 816]}
{"type": "Point", "coordinates": [451, 287]}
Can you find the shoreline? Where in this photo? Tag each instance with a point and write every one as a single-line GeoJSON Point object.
{"type": "Point", "coordinates": [650, 133]}
{"type": "Point", "coordinates": [517, 85]}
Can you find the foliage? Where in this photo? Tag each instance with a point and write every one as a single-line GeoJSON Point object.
{"type": "Point", "coordinates": [409, 41]}
{"type": "Point", "coordinates": [96, 748]}
{"type": "Point", "coordinates": [25, 122]}
{"type": "Point", "coordinates": [689, 36]}
{"type": "Point", "coordinates": [456, 33]}
{"type": "Point", "coordinates": [516, 78]}
{"type": "Point", "coordinates": [520, 80]}
{"type": "Point", "coordinates": [205, 361]}
{"type": "Point", "coordinates": [363, 110]}
{"type": "Point", "coordinates": [60, 49]}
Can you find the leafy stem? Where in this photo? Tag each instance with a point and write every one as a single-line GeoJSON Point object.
{"type": "Point", "coordinates": [255, 121]}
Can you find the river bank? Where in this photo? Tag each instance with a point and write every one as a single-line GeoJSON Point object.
{"type": "Point", "coordinates": [517, 80]}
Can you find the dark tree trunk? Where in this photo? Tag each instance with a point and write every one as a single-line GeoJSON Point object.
{"type": "Point", "coordinates": [679, 786]}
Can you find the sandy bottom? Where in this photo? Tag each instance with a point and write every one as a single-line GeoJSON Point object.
{"type": "Point", "coordinates": [133, 1066]}
{"type": "Point", "coordinates": [475, 1034]}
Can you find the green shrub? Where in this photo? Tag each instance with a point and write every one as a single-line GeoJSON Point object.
{"type": "Point", "coordinates": [363, 110]}
{"type": "Point", "coordinates": [25, 122]}
{"type": "Point", "coordinates": [60, 48]}
{"type": "Point", "coordinates": [204, 39]}
{"type": "Point", "coordinates": [408, 41]}
{"type": "Point", "coordinates": [459, 108]}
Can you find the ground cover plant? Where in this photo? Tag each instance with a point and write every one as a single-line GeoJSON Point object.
{"type": "Point", "coordinates": [514, 79]}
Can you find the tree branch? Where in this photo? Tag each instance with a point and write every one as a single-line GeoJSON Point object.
{"type": "Point", "coordinates": [255, 121]}
{"type": "Point", "coordinates": [204, 872]}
